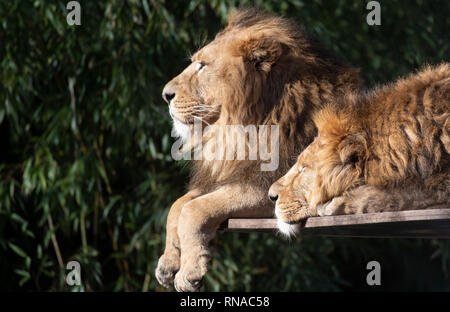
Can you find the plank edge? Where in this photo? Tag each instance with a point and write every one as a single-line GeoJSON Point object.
{"type": "Point", "coordinates": [344, 220]}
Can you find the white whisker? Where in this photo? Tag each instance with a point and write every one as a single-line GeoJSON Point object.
{"type": "Point", "coordinates": [204, 111]}
{"type": "Point", "coordinates": [205, 108]}
{"type": "Point", "coordinates": [199, 118]}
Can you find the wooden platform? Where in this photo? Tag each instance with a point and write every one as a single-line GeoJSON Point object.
{"type": "Point", "coordinates": [429, 223]}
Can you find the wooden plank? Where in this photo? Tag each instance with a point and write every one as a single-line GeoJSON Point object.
{"type": "Point", "coordinates": [428, 223]}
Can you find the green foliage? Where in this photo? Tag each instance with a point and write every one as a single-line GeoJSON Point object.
{"type": "Point", "coordinates": [85, 166]}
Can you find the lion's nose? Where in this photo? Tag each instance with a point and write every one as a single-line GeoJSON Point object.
{"type": "Point", "coordinates": [273, 197]}
{"type": "Point", "coordinates": [168, 94]}
{"type": "Point", "coordinates": [168, 97]}
{"type": "Point", "coordinates": [274, 190]}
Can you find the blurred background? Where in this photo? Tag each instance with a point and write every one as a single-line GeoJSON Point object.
{"type": "Point", "coordinates": [85, 166]}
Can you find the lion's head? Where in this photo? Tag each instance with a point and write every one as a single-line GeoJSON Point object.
{"type": "Point", "coordinates": [230, 70]}
{"type": "Point", "coordinates": [329, 166]}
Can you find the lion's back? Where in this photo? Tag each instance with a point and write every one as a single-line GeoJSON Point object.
{"type": "Point", "coordinates": [409, 124]}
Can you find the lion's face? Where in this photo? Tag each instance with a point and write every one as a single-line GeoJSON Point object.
{"type": "Point", "coordinates": [196, 93]}
{"type": "Point", "coordinates": [293, 193]}
{"type": "Point", "coordinates": [329, 166]}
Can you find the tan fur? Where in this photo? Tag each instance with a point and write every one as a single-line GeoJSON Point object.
{"type": "Point", "coordinates": [385, 150]}
{"type": "Point", "coordinates": [260, 70]}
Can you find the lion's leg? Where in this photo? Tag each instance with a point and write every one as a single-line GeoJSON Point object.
{"type": "Point", "coordinates": [366, 198]}
{"type": "Point", "coordinates": [169, 262]}
{"type": "Point", "coordinates": [198, 223]}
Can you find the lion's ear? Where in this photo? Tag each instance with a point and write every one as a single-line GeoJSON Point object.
{"type": "Point", "coordinates": [262, 53]}
{"type": "Point", "coordinates": [352, 149]}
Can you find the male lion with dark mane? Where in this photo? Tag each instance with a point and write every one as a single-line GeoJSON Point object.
{"type": "Point", "coordinates": [260, 70]}
{"type": "Point", "coordinates": [382, 151]}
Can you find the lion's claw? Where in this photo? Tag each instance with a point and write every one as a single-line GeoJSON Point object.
{"type": "Point", "coordinates": [183, 283]}
{"type": "Point", "coordinates": [167, 267]}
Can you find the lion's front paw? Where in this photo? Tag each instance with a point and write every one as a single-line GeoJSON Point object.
{"type": "Point", "coordinates": [168, 266]}
{"type": "Point", "coordinates": [187, 282]}
{"type": "Point", "coordinates": [191, 274]}
{"type": "Point", "coordinates": [333, 207]}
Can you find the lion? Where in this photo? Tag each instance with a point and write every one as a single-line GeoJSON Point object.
{"type": "Point", "coordinates": [260, 70]}
{"type": "Point", "coordinates": [384, 150]}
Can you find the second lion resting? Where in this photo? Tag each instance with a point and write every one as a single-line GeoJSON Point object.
{"type": "Point", "coordinates": [381, 151]}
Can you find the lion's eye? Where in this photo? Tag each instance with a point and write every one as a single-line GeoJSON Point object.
{"type": "Point", "coordinates": [200, 65]}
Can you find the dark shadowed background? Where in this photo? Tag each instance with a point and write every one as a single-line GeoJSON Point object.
{"type": "Point", "coordinates": [85, 166]}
